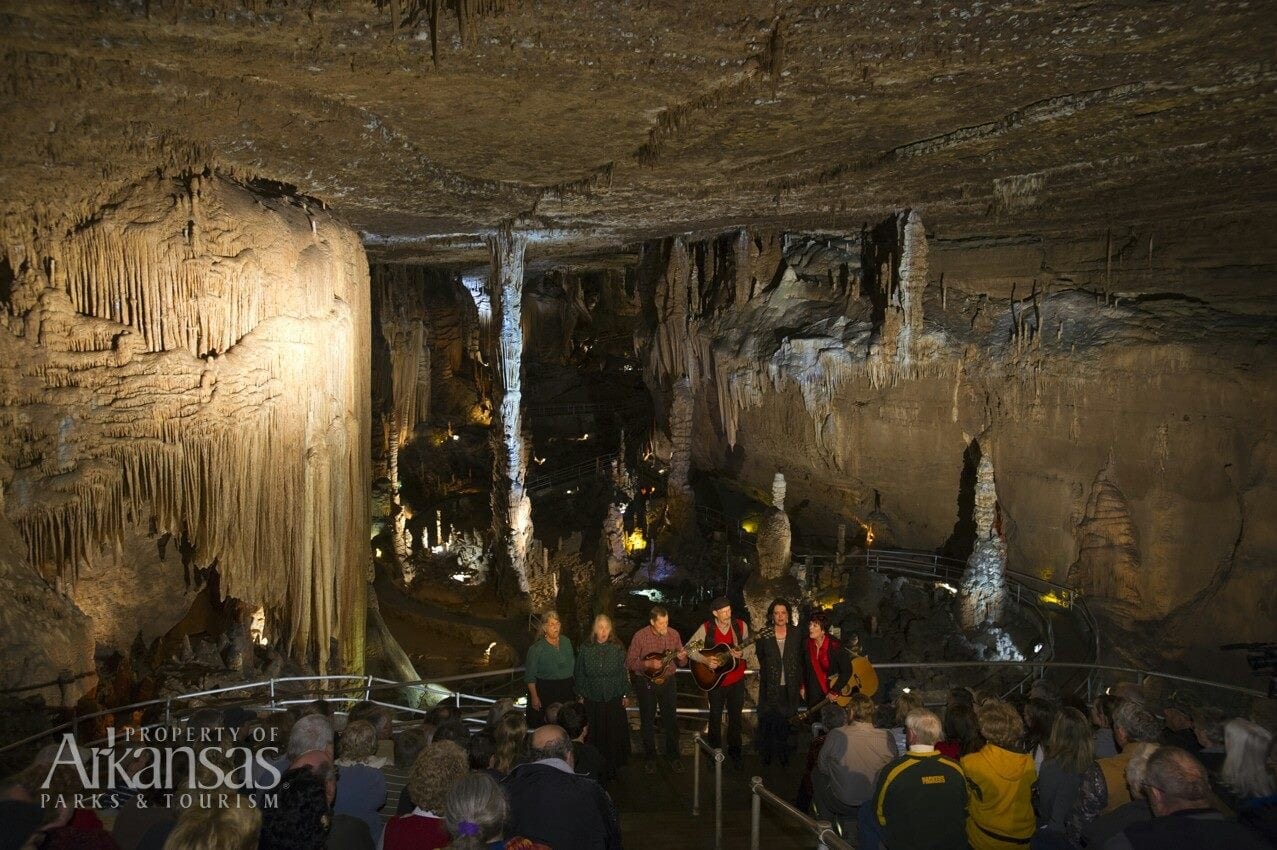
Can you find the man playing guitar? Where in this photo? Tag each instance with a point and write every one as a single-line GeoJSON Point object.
{"type": "Point", "coordinates": [730, 692]}
{"type": "Point", "coordinates": [654, 652]}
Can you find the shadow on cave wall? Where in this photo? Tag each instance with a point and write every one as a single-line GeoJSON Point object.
{"type": "Point", "coordinates": [962, 540]}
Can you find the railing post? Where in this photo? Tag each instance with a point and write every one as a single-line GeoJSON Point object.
{"type": "Point", "coordinates": [718, 800]}
{"type": "Point", "coordinates": [696, 775]}
{"type": "Point", "coordinates": [368, 690]}
{"type": "Point", "coordinates": [168, 712]}
{"type": "Point", "coordinates": [823, 827]}
{"type": "Point", "coordinates": [755, 812]}
{"type": "Point", "coordinates": [272, 693]}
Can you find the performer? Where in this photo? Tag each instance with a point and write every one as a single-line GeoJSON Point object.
{"type": "Point", "coordinates": [730, 693]}
{"type": "Point", "coordinates": [550, 669]}
{"type": "Point", "coordinates": [780, 680]}
{"type": "Point", "coordinates": [602, 683]}
{"type": "Point", "coordinates": [654, 684]}
{"type": "Point", "coordinates": [823, 657]}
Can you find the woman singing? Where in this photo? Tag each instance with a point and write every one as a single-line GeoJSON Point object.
{"type": "Point", "coordinates": [549, 669]}
{"type": "Point", "coordinates": [604, 684]}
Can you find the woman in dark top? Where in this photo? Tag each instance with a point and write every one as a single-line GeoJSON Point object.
{"type": "Point", "coordinates": [1069, 753]}
{"type": "Point", "coordinates": [779, 682]}
{"type": "Point", "coordinates": [604, 685]}
{"type": "Point", "coordinates": [961, 731]}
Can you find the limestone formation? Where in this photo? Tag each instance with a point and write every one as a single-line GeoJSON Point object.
{"type": "Point", "coordinates": [192, 361]}
{"type": "Point", "coordinates": [678, 481]}
{"type": "Point", "coordinates": [982, 593]}
{"type": "Point", "coordinates": [1108, 560]}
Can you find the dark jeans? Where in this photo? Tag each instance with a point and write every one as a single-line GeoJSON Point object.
{"type": "Point", "coordinates": [733, 699]}
{"type": "Point", "coordinates": [649, 697]}
{"type": "Point", "coordinates": [773, 723]}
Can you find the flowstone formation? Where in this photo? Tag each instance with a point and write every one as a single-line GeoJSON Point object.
{"type": "Point", "coordinates": [982, 594]}
{"type": "Point", "coordinates": [190, 365]}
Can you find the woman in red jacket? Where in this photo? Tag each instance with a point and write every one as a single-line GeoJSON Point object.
{"type": "Point", "coordinates": [823, 658]}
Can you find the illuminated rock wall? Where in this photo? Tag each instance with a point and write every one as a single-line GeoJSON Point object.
{"type": "Point", "coordinates": [191, 363]}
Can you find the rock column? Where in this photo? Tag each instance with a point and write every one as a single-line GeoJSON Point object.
{"type": "Point", "coordinates": [983, 591]}
{"type": "Point", "coordinates": [678, 484]}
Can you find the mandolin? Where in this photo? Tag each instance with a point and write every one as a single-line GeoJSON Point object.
{"type": "Point", "coordinates": [707, 678]}
{"type": "Point", "coordinates": [657, 666]}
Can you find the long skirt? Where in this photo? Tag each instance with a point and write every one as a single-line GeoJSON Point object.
{"type": "Point", "coordinates": [609, 731]}
{"type": "Point", "coordinates": [551, 691]}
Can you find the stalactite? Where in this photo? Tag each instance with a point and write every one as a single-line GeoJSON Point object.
{"type": "Point", "coordinates": [233, 408]}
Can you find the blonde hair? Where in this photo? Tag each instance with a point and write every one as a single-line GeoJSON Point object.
{"type": "Point", "coordinates": [216, 828]}
{"type": "Point", "coordinates": [438, 766]}
{"type": "Point", "coordinates": [511, 737]}
{"type": "Point", "coordinates": [861, 708]}
{"type": "Point", "coordinates": [1000, 723]}
{"type": "Point", "coordinates": [611, 630]}
{"type": "Point", "coordinates": [1245, 768]}
{"type": "Point", "coordinates": [1137, 767]}
{"type": "Point", "coordinates": [359, 741]}
{"type": "Point", "coordinates": [1071, 742]}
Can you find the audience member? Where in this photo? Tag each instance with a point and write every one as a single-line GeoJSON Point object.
{"type": "Point", "coordinates": [849, 762]}
{"type": "Point", "coordinates": [233, 827]}
{"type": "Point", "coordinates": [832, 716]}
{"type": "Point", "coordinates": [476, 811]}
{"type": "Point", "coordinates": [1208, 729]}
{"type": "Point", "coordinates": [1183, 819]}
{"type": "Point", "coordinates": [499, 709]}
{"type": "Point", "coordinates": [1260, 814]}
{"type": "Point", "coordinates": [302, 817]}
{"type": "Point", "coordinates": [551, 804]}
{"type": "Point", "coordinates": [961, 730]}
{"type": "Point", "coordinates": [408, 745]}
{"type": "Point", "coordinates": [588, 760]}
{"type": "Point", "coordinates": [1245, 777]}
{"type": "Point", "coordinates": [1070, 753]}
{"type": "Point", "coordinates": [482, 753]}
{"type": "Point", "coordinates": [1102, 720]}
{"type": "Point", "coordinates": [362, 790]}
{"type": "Point", "coordinates": [959, 696]}
{"type": "Point", "coordinates": [1000, 803]}
{"type": "Point", "coordinates": [1039, 718]}
{"type": "Point", "coordinates": [455, 731]}
{"type": "Point", "coordinates": [1100, 830]}
{"type": "Point", "coordinates": [71, 827]}
{"type": "Point", "coordinates": [920, 802]}
{"type": "Point", "coordinates": [1104, 786]}
{"type": "Point", "coordinates": [440, 765]}
{"type": "Point", "coordinates": [512, 742]}
{"type": "Point", "coordinates": [905, 702]}
{"type": "Point", "coordinates": [345, 832]}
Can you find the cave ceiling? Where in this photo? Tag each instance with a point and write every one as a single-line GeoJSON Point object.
{"type": "Point", "coordinates": [602, 123]}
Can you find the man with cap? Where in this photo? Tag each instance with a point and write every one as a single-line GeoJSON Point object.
{"type": "Point", "coordinates": [723, 628]}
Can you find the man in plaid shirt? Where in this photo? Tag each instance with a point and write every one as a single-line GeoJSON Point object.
{"type": "Point", "coordinates": [657, 637]}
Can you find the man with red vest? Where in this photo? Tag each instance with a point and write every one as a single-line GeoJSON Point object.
{"type": "Point", "coordinates": [730, 693]}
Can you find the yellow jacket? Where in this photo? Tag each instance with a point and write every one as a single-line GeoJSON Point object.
{"type": "Point", "coordinates": [1000, 798]}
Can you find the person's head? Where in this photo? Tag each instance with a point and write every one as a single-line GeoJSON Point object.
{"type": "Point", "coordinates": [1042, 689]}
{"type": "Point", "coordinates": [512, 740]}
{"type": "Point", "coordinates": [833, 716]}
{"type": "Point", "coordinates": [552, 712]}
{"type": "Point", "coordinates": [1137, 768]}
{"type": "Point", "coordinates": [319, 706]}
{"type": "Point", "coordinates": [778, 613]}
{"type": "Point", "coordinates": [1132, 723]}
{"type": "Point", "coordinates": [1039, 718]}
{"type": "Point", "coordinates": [961, 725]}
{"type": "Point", "coordinates": [312, 732]}
{"type": "Point", "coordinates": [475, 812]}
{"type": "Point", "coordinates": [572, 719]}
{"type": "Point", "coordinates": [817, 625]}
{"type": "Point", "coordinates": [441, 713]}
{"type": "Point", "coordinates": [922, 727]}
{"type": "Point", "coordinates": [1000, 724]}
{"type": "Point", "coordinates": [904, 703]}
{"type": "Point", "coordinates": [659, 617]}
{"type": "Point", "coordinates": [481, 751]}
{"type": "Point", "coordinates": [1245, 768]}
{"type": "Point", "coordinates": [861, 708]}
{"type": "Point", "coordinates": [721, 609]}
{"type": "Point", "coordinates": [455, 731]}
{"type": "Point", "coordinates": [1102, 711]}
{"type": "Point", "coordinates": [551, 625]}
{"type": "Point", "coordinates": [319, 763]}
{"type": "Point", "coordinates": [359, 741]}
{"type": "Point", "coordinates": [1175, 781]}
{"type": "Point", "coordinates": [551, 742]}
{"type": "Point", "coordinates": [957, 696]}
{"type": "Point", "coordinates": [302, 817]}
{"type": "Point", "coordinates": [1071, 743]}
{"type": "Point", "coordinates": [1208, 727]}
{"type": "Point", "coordinates": [603, 630]}
{"type": "Point", "coordinates": [499, 709]}
{"type": "Point", "coordinates": [439, 765]}
{"type": "Point", "coordinates": [408, 744]}
{"type": "Point", "coordinates": [216, 828]}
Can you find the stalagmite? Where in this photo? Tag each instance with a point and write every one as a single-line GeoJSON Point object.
{"type": "Point", "coordinates": [201, 366]}
{"type": "Point", "coordinates": [982, 594]}
{"type": "Point", "coordinates": [913, 273]}
{"type": "Point", "coordinates": [678, 483]}
{"type": "Point", "coordinates": [512, 506]}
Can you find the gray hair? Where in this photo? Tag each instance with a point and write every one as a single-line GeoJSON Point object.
{"type": "Point", "coordinates": [477, 798]}
{"type": "Point", "coordinates": [1180, 777]}
{"type": "Point", "coordinates": [1135, 722]}
{"type": "Point", "coordinates": [925, 726]}
{"type": "Point", "coordinates": [312, 732]}
{"type": "Point", "coordinates": [1137, 768]}
{"type": "Point", "coordinates": [558, 747]}
{"type": "Point", "coordinates": [549, 616]}
{"type": "Point", "coordinates": [1246, 752]}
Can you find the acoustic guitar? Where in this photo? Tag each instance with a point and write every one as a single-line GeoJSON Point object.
{"type": "Point", "coordinates": [864, 680]}
{"type": "Point", "coordinates": [707, 678]}
{"type": "Point", "coordinates": [657, 667]}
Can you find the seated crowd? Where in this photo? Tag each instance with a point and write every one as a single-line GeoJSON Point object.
{"type": "Point", "coordinates": [1046, 776]}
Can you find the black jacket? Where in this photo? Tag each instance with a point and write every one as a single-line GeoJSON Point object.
{"type": "Point", "coordinates": [839, 663]}
{"type": "Point", "coordinates": [770, 664]}
{"type": "Point", "coordinates": [1197, 829]}
{"type": "Point", "coordinates": [563, 810]}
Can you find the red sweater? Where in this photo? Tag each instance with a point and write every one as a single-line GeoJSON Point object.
{"type": "Point", "coordinates": [416, 832]}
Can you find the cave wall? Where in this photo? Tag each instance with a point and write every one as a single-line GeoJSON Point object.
{"type": "Point", "coordinates": [1131, 442]}
{"type": "Point", "coordinates": [192, 362]}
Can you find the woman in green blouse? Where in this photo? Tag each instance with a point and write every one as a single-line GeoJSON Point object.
{"type": "Point", "coordinates": [604, 685]}
{"type": "Point", "coordinates": [549, 669]}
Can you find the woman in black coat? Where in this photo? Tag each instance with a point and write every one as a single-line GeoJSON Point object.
{"type": "Point", "coordinates": [780, 677]}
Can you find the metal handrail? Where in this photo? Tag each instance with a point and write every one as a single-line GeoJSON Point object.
{"type": "Point", "coordinates": [822, 831]}
{"type": "Point", "coordinates": [716, 754]}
